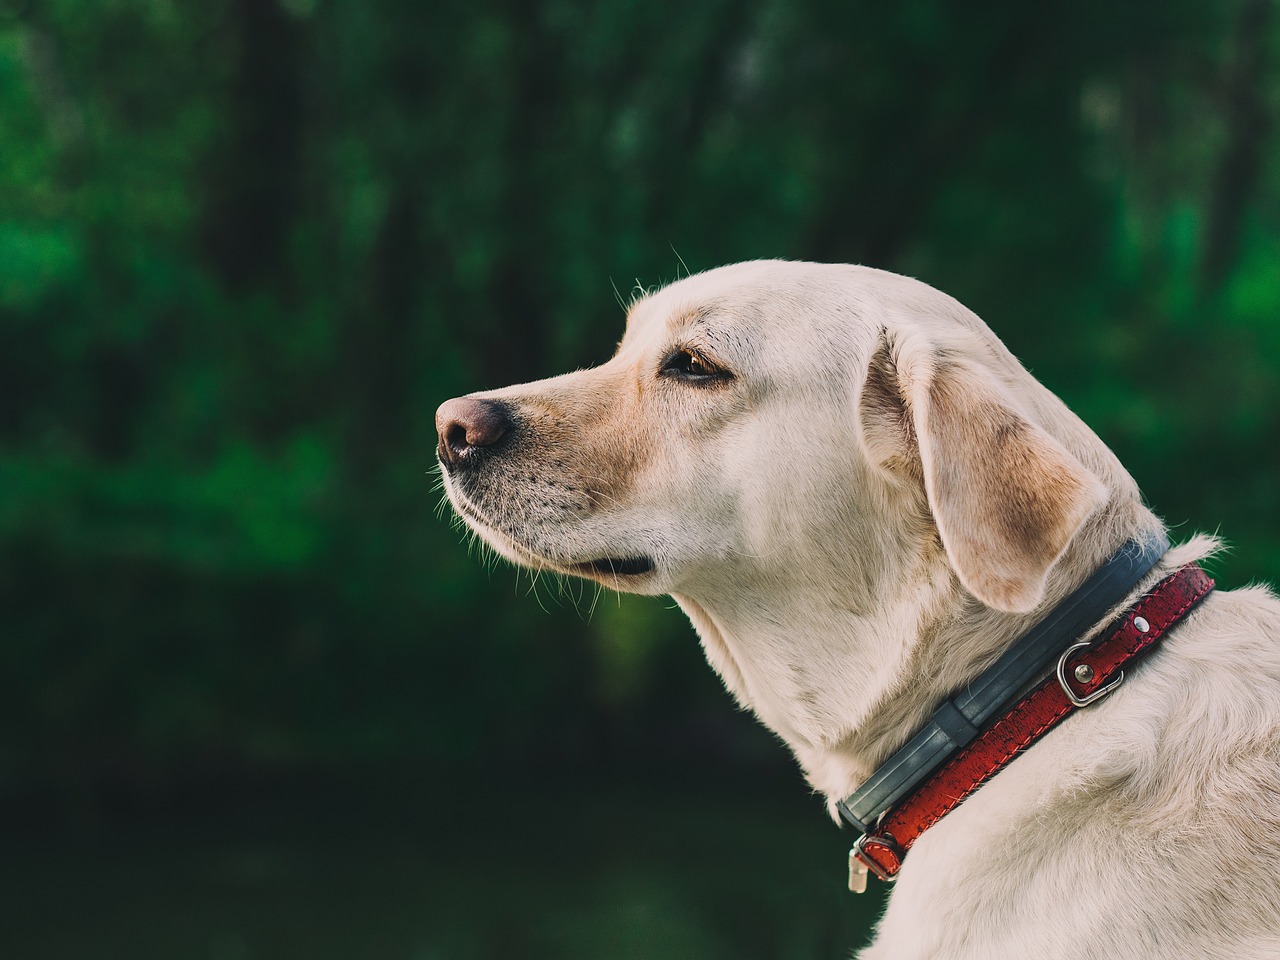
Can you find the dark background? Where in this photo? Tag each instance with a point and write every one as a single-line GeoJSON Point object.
{"type": "Point", "coordinates": [256, 697]}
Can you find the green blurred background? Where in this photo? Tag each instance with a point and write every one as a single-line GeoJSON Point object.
{"type": "Point", "coordinates": [256, 697]}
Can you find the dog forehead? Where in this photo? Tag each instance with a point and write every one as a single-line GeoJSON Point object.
{"type": "Point", "coordinates": [795, 306]}
{"type": "Point", "coordinates": [750, 303]}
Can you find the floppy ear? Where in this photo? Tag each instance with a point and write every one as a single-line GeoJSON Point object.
{"type": "Point", "coordinates": [1006, 496]}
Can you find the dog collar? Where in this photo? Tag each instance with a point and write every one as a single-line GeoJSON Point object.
{"type": "Point", "coordinates": [957, 721]}
{"type": "Point", "coordinates": [949, 758]}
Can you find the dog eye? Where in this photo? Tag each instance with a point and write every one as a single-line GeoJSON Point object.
{"type": "Point", "coordinates": [692, 367]}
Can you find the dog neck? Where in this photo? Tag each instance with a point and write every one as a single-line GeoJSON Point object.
{"type": "Point", "coordinates": [964, 717]}
{"type": "Point", "coordinates": [845, 684]}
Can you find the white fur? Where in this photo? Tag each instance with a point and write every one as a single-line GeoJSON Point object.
{"type": "Point", "coordinates": [836, 522]}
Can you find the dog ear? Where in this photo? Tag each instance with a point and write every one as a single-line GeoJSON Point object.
{"type": "Point", "coordinates": [1006, 497]}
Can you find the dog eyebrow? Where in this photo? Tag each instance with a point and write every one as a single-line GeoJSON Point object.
{"type": "Point", "coordinates": [690, 324]}
{"type": "Point", "coordinates": [693, 318]}
{"type": "Point", "coordinates": [727, 340]}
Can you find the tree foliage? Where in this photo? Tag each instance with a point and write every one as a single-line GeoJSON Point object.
{"type": "Point", "coordinates": [247, 247]}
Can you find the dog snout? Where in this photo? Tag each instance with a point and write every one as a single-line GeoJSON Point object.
{"type": "Point", "coordinates": [467, 425]}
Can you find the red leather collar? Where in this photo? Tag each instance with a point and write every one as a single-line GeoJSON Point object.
{"type": "Point", "coordinates": [1086, 673]}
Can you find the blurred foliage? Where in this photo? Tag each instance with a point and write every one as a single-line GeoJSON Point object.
{"type": "Point", "coordinates": [604, 872]}
{"type": "Point", "coordinates": [247, 247]}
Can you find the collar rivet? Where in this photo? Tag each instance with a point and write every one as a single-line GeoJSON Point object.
{"type": "Point", "coordinates": [1140, 624]}
{"type": "Point", "coordinates": [1084, 672]}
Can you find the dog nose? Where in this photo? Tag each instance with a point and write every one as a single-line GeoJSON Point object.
{"type": "Point", "coordinates": [467, 424]}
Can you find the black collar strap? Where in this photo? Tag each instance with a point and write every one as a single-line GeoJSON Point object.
{"type": "Point", "coordinates": [958, 720]}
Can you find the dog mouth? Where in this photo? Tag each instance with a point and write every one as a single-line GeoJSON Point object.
{"type": "Point", "coordinates": [604, 568]}
{"type": "Point", "coordinates": [615, 567]}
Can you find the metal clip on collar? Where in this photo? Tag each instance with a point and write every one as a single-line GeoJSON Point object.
{"type": "Point", "coordinates": [1066, 687]}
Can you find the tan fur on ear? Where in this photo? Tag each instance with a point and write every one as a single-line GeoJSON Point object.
{"type": "Point", "coordinates": [1006, 496]}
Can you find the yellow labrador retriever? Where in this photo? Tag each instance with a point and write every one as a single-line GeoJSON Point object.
{"type": "Point", "coordinates": [862, 501]}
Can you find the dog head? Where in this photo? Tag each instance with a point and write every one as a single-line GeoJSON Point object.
{"type": "Point", "coordinates": [795, 449]}
{"type": "Point", "coordinates": [755, 413]}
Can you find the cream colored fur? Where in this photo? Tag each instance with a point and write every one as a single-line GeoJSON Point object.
{"type": "Point", "coordinates": [868, 512]}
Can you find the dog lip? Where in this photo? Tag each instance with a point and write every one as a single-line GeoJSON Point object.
{"type": "Point", "coordinates": [617, 566]}
{"type": "Point", "coordinates": [634, 566]}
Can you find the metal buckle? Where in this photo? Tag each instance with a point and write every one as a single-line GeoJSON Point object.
{"type": "Point", "coordinates": [1066, 687]}
{"type": "Point", "coordinates": [859, 851]}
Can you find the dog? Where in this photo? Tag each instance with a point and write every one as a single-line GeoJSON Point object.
{"type": "Point", "coordinates": [861, 499]}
